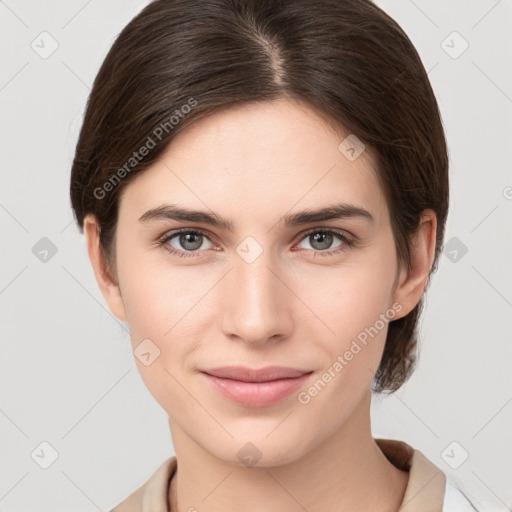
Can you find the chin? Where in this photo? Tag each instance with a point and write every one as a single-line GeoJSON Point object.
{"type": "Point", "coordinates": [258, 451]}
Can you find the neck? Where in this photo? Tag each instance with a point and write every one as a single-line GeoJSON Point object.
{"type": "Point", "coordinates": [346, 471]}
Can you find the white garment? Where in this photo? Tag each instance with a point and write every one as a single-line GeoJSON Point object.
{"type": "Point", "coordinates": [455, 501]}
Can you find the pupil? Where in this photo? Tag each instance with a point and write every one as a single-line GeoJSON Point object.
{"type": "Point", "coordinates": [325, 240]}
{"type": "Point", "coordinates": [188, 238]}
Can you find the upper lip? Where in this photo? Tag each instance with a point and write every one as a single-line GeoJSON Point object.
{"type": "Point", "coordinates": [244, 374]}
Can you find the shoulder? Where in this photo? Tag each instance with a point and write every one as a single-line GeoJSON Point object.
{"type": "Point", "coordinates": [151, 495]}
{"type": "Point", "coordinates": [428, 488]}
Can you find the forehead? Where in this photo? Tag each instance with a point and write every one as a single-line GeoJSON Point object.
{"type": "Point", "coordinates": [254, 162]}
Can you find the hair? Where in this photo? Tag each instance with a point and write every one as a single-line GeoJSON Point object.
{"type": "Point", "coordinates": [176, 63]}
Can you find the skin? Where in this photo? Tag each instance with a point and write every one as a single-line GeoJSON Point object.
{"type": "Point", "coordinates": [254, 164]}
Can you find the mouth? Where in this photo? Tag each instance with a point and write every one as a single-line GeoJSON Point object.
{"type": "Point", "coordinates": [267, 374]}
{"type": "Point", "coordinates": [256, 388]}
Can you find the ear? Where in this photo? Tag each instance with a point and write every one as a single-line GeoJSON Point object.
{"type": "Point", "coordinates": [109, 288]}
{"type": "Point", "coordinates": [412, 281]}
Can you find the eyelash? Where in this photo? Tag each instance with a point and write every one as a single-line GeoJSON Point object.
{"type": "Point", "coordinates": [347, 242]}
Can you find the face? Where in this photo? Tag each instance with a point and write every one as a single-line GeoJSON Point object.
{"type": "Point", "coordinates": [264, 290]}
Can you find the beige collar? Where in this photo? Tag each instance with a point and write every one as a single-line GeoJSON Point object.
{"type": "Point", "coordinates": [426, 485]}
{"type": "Point", "coordinates": [424, 492]}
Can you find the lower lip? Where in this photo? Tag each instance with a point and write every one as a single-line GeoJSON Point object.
{"type": "Point", "coordinates": [256, 394]}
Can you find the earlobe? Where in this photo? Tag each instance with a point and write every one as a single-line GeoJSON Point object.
{"type": "Point", "coordinates": [109, 288]}
{"type": "Point", "coordinates": [412, 281]}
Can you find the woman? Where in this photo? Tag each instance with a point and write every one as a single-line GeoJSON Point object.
{"type": "Point", "coordinates": [263, 188]}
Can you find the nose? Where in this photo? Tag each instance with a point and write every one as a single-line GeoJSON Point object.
{"type": "Point", "coordinates": [257, 301]}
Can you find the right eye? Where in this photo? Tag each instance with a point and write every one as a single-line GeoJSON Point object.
{"type": "Point", "coordinates": [190, 241]}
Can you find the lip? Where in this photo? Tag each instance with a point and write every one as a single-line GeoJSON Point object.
{"type": "Point", "coordinates": [256, 388]}
{"type": "Point", "coordinates": [242, 373]}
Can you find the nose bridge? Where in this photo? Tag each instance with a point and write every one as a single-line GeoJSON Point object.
{"type": "Point", "coordinates": [257, 306]}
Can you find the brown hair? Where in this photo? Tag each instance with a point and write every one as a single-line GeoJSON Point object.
{"type": "Point", "coordinates": [179, 61]}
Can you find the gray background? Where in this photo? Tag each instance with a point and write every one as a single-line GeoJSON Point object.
{"type": "Point", "coordinates": [68, 376]}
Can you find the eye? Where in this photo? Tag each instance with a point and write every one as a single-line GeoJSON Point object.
{"type": "Point", "coordinates": [187, 241]}
{"type": "Point", "coordinates": [322, 239]}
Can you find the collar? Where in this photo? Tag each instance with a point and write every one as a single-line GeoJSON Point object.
{"type": "Point", "coordinates": [426, 485]}
{"type": "Point", "coordinates": [424, 493]}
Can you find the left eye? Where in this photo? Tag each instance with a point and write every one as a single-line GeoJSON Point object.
{"type": "Point", "coordinates": [324, 239]}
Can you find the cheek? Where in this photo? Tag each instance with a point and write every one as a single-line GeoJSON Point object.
{"type": "Point", "coordinates": [349, 298]}
{"type": "Point", "coordinates": [157, 296]}
{"type": "Point", "coordinates": [354, 308]}
{"type": "Point", "coordinates": [359, 314]}
{"type": "Point", "coordinates": [162, 310]}
{"type": "Point", "coordinates": [172, 308]}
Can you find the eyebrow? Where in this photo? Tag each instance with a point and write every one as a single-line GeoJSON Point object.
{"type": "Point", "coordinates": [336, 211]}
